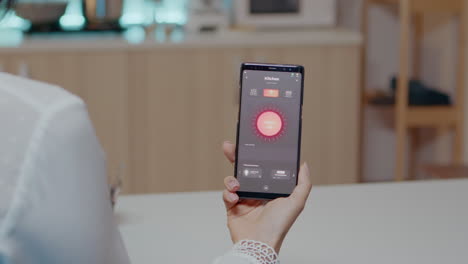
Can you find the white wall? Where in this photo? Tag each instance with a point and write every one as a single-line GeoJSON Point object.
{"type": "Point", "coordinates": [438, 70]}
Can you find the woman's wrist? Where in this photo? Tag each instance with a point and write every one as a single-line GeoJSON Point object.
{"type": "Point", "coordinates": [258, 252]}
{"type": "Point", "coordinates": [264, 237]}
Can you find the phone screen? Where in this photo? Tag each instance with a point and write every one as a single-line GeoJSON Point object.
{"type": "Point", "coordinates": [269, 130]}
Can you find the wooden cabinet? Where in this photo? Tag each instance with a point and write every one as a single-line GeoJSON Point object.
{"type": "Point", "coordinates": [331, 112]}
{"type": "Point", "coordinates": [182, 106]}
{"type": "Point", "coordinates": [162, 113]}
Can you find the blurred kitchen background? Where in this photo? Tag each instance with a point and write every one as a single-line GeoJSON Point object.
{"type": "Point", "coordinates": [384, 94]}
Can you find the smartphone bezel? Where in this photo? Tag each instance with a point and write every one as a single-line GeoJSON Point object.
{"type": "Point", "coordinates": [277, 68]}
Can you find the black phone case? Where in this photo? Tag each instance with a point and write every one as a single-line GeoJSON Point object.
{"type": "Point", "coordinates": [269, 67]}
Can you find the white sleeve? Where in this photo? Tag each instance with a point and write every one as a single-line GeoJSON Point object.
{"type": "Point", "coordinates": [249, 252]}
{"type": "Point", "coordinates": [58, 210]}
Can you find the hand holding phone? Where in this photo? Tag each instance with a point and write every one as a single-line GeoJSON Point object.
{"type": "Point", "coordinates": [263, 221]}
{"type": "Point", "coordinates": [269, 130]}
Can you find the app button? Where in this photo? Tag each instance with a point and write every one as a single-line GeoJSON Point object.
{"type": "Point", "coordinates": [288, 94]}
{"type": "Point", "coordinates": [266, 188]}
{"type": "Point", "coordinates": [255, 173]}
{"type": "Point", "coordinates": [253, 92]}
{"type": "Point", "coordinates": [281, 174]}
{"type": "Point", "coordinates": [271, 93]}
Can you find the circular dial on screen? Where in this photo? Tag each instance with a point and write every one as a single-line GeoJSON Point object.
{"type": "Point", "coordinates": [269, 124]}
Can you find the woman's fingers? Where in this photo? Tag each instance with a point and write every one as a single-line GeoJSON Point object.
{"type": "Point", "coordinates": [230, 199]}
{"type": "Point", "coordinates": [230, 196]}
{"type": "Point", "coordinates": [231, 184]}
{"type": "Point", "coordinates": [304, 176]}
{"type": "Point", "coordinates": [304, 186]}
{"type": "Point", "coordinates": [229, 150]}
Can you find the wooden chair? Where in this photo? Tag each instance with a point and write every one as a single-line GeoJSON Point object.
{"type": "Point", "coordinates": [410, 118]}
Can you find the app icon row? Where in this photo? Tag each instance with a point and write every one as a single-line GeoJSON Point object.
{"type": "Point", "coordinates": [273, 93]}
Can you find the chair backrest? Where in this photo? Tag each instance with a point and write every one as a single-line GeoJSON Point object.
{"type": "Point", "coordinates": [54, 198]}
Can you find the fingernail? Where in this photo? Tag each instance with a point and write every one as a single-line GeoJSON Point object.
{"type": "Point", "coordinates": [227, 142]}
{"type": "Point", "coordinates": [232, 197]}
{"type": "Point", "coordinates": [232, 184]}
{"type": "Point", "coordinates": [306, 166]}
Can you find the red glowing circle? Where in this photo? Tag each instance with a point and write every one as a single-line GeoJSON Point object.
{"type": "Point", "coordinates": [269, 124]}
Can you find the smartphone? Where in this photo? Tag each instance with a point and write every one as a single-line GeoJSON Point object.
{"type": "Point", "coordinates": [268, 144]}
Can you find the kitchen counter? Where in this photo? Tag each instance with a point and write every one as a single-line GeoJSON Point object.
{"type": "Point", "coordinates": [93, 41]}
